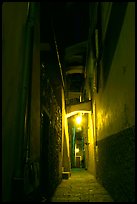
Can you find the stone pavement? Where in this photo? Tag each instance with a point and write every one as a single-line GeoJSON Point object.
{"type": "Point", "coordinates": [80, 187]}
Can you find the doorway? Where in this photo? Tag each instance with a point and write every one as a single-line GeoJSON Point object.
{"type": "Point", "coordinates": [77, 161]}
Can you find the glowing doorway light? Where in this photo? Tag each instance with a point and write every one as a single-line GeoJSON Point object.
{"type": "Point", "coordinates": [79, 119]}
{"type": "Point", "coordinates": [77, 150]}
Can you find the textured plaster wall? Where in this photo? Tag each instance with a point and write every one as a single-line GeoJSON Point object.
{"type": "Point", "coordinates": [116, 102]}
{"type": "Point", "coordinates": [115, 117]}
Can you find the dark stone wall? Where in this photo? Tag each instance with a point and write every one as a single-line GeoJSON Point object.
{"type": "Point", "coordinates": [116, 165]}
{"type": "Point", "coordinates": [49, 161]}
{"type": "Point", "coordinates": [51, 137]}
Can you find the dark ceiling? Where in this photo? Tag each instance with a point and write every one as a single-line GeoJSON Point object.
{"type": "Point", "coordinates": [70, 22]}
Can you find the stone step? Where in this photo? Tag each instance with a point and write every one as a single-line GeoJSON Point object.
{"type": "Point", "coordinates": [66, 175]}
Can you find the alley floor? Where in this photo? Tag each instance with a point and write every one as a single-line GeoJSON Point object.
{"type": "Point", "coordinates": [80, 187]}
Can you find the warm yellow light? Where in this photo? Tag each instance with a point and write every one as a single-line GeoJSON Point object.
{"type": "Point", "coordinates": [77, 150]}
{"type": "Point", "coordinates": [79, 119]}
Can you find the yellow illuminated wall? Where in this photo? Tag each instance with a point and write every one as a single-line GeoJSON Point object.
{"type": "Point", "coordinates": [116, 102]}
{"type": "Point", "coordinates": [91, 146]}
{"type": "Point", "coordinates": [65, 138]}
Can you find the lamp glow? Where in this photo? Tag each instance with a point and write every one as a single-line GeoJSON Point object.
{"type": "Point", "coordinates": [77, 150]}
{"type": "Point", "coordinates": [79, 119]}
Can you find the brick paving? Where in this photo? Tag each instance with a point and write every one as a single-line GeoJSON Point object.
{"type": "Point", "coordinates": [80, 187]}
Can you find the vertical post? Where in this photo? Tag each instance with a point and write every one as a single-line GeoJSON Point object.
{"type": "Point", "coordinates": [73, 147]}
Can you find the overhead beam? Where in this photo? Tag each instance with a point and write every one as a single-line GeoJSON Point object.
{"type": "Point", "coordinates": [83, 106]}
{"type": "Point", "coordinates": [68, 115]}
{"type": "Point", "coordinates": [74, 58]}
{"type": "Point", "coordinates": [75, 69]}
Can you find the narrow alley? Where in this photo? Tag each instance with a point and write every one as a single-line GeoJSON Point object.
{"type": "Point", "coordinates": [80, 187]}
{"type": "Point", "coordinates": [68, 101]}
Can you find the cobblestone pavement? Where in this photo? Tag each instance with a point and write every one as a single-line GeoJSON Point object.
{"type": "Point", "coordinates": [80, 187]}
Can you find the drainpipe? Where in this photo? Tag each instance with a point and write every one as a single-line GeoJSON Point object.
{"type": "Point", "coordinates": [18, 178]}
